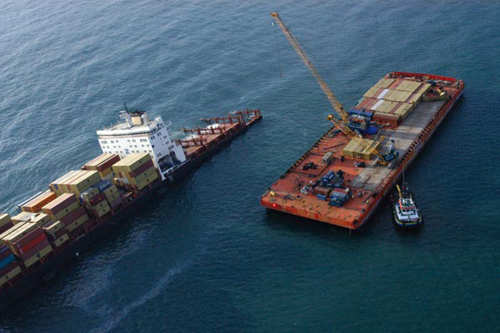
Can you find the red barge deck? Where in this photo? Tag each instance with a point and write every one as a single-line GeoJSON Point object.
{"type": "Point", "coordinates": [430, 99]}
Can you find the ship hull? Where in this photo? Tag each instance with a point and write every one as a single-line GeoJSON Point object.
{"type": "Point", "coordinates": [29, 282]}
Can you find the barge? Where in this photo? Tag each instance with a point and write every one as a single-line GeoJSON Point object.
{"type": "Point", "coordinates": [139, 160]}
{"type": "Point", "coordinates": [344, 176]}
{"type": "Point", "coordinates": [362, 182]}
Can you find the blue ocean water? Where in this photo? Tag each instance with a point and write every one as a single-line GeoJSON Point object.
{"type": "Point", "coordinates": [206, 257]}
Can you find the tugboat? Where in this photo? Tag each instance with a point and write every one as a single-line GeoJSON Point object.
{"type": "Point", "coordinates": [406, 214]}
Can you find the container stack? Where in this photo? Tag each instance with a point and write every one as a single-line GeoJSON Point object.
{"type": "Point", "coordinates": [136, 170]}
{"type": "Point", "coordinates": [9, 268]}
{"type": "Point", "coordinates": [5, 223]}
{"type": "Point", "coordinates": [75, 182]}
{"type": "Point", "coordinates": [113, 196]}
{"type": "Point", "coordinates": [67, 210]}
{"type": "Point", "coordinates": [40, 219]}
{"type": "Point", "coordinates": [94, 198]}
{"type": "Point", "coordinates": [56, 233]}
{"type": "Point", "coordinates": [35, 205]}
{"type": "Point", "coordinates": [354, 150]}
{"type": "Point", "coordinates": [103, 164]}
{"type": "Point", "coordinates": [393, 100]}
{"type": "Point", "coordinates": [36, 218]}
{"type": "Point", "coordinates": [28, 242]}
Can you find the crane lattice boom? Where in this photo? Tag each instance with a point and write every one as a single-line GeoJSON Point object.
{"type": "Point", "coordinates": [342, 125]}
{"type": "Point", "coordinates": [337, 106]}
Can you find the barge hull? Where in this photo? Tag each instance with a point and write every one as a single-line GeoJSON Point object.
{"type": "Point", "coordinates": [368, 185]}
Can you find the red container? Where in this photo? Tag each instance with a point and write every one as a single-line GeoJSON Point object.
{"type": "Point", "coordinates": [142, 168]}
{"type": "Point", "coordinates": [5, 270]}
{"type": "Point", "coordinates": [106, 164]}
{"type": "Point", "coordinates": [73, 216]}
{"type": "Point", "coordinates": [59, 234]}
{"type": "Point", "coordinates": [33, 243]}
{"type": "Point", "coordinates": [39, 247]}
{"type": "Point", "coordinates": [28, 238]}
{"type": "Point", "coordinates": [97, 199]}
{"type": "Point", "coordinates": [59, 204]}
{"type": "Point", "coordinates": [109, 163]}
{"type": "Point", "coordinates": [322, 190]}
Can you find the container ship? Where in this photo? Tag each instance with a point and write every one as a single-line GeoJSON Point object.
{"type": "Point", "coordinates": [346, 174]}
{"type": "Point", "coordinates": [139, 159]}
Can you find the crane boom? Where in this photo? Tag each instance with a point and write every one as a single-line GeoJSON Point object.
{"type": "Point", "coordinates": [337, 106]}
{"type": "Point", "coordinates": [342, 125]}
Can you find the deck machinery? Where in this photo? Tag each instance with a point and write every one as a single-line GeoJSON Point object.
{"type": "Point", "coordinates": [344, 176]}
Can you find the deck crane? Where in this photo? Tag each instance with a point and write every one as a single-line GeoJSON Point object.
{"type": "Point", "coordinates": [343, 123]}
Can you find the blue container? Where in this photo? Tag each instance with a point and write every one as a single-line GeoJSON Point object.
{"type": "Point", "coordinates": [103, 185]}
{"type": "Point", "coordinates": [330, 175]}
{"type": "Point", "coordinates": [362, 112]}
{"type": "Point", "coordinates": [7, 261]}
{"type": "Point", "coordinates": [371, 130]}
{"type": "Point", "coordinates": [4, 249]}
{"type": "Point", "coordinates": [321, 197]}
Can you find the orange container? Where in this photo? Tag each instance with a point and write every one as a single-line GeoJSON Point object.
{"type": "Point", "coordinates": [36, 204]}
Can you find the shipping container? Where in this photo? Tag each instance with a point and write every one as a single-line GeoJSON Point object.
{"type": "Point", "coordinates": [112, 197]}
{"type": "Point", "coordinates": [76, 223]}
{"type": "Point", "coordinates": [147, 182]}
{"type": "Point", "coordinates": [75, 182]}
{"type": "Point", "coordinates": [34, 242]}
{"type": "Point", "coordinates": [102, 162]}
{"type": "Point", "coordinates": [36, 256]}
{"type": "Point", "coordinates": [11, 230]}
{"type": "Point", "coordinates": [17, 234]}
{"type": "Point", "coordinates": [22, 217]}
{"type": "Point", "coordinates": [40, 219]}
{"type": "Point", "coordinates": [33, 237]}
{"type": "Point", "coordinates": [7, 260]}
{"type": "Point", "coordinates": [52, 227]}
{"type": "Point", "coordinates": [66, 211]}
{"type": "Point", "coordinates": [355, 150]}
{"type": "Point", "coordinates": [89, 194]}
{"type": "Point", "coordinates": [322, 190]}
{"type": "Point", "coordinates": [140, 178]}
{"type": "Point", "coordinates": [5, 251]}
{"type": "Point", "coordinates": [36, 204]}
{"type": "Point", "coordinates": [59, 204]}
{"type": "Point", "coordinates": [12, 274]}
{"type": "Point", "coordinates": [143, 168]}
{"type": "Point", "coordinates": [84, 181]}
{"type": "Point", "coordinates": [9, 267]}
{"type": "Point", "coordinates": [73, 216]}
{"type": "Point", "coordinates": [5, 222]}
{"type": "Point", "coordinates": [100, 212]}
{"type": "Point", "coordinates": [61, 240]}
{"type": "Point", "coordinates": [131, 162]}
{"type": "Point", "coordinates": [116, 203]}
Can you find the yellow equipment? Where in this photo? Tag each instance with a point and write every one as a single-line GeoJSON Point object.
{"type": "Point", "coordinates": [342, 125]}
{"type": "Point", "coordinates": [399, 191]}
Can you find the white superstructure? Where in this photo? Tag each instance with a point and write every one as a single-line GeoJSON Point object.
{"type": "Point", "coordinates": [138, 134]}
